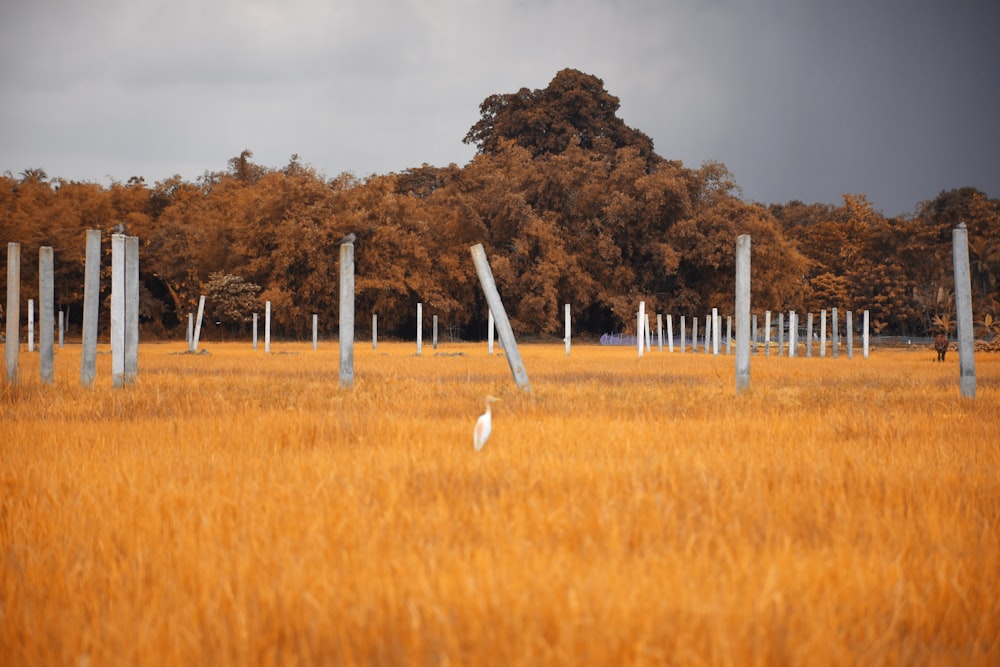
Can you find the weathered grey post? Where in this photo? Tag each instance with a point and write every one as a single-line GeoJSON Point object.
{"type": "Point", "coordinates": [346, 331]}
{"type": "Point", "coordinates": [190, 331]}
{"type": "Point", "coordinates": [197, 324]}
{"type": "Point", "coordinates": [822, 332]}
{"type": "Point", "coordinates": [503, 324]}
{"type": "Point", "coordinates": [793, 326]}
{"type": "Point", "coordinates": [13, 342]}
{"type": "Point", "coordinates": [117, 310]}
{"type": "Point", "coordinates": [374, 331]}
{"type": "Point", "coordinates": [434, 331]}
{"type": "Point", "coordinates": [659, 332]}
{"type": "Point", "coordinates": [420, 328]}
{"type": "Point", "coordinates": [715, 331]}
{"type": "Point", "coordinates": [267, 327]}
{"type": "Point", "coordinates": [694, 334]}
{"type": "Point", "coordinates": [809, 334]}
{"type": "Point", "coordinates": [62, 328]}
{"type": "Point", "coordinates": [490, 329]}
{"type": "Point", "coordinates": [753, 320]}
{"type": "Point", "coordinates": [568, 328]}
{"type": "Point", "coordinates": [648, 332]}
{"type": "Point", "coordinates": [781, 334]}
{"type": "Point", "coordinates": [255, 331]}
{"type": "Point", "coordinates": [46, 315]}
{"type": "Point", "coordinates": [315, 330]}
{"type": "Point", "coordinates": [729, 335]}
{"type": "Point", "coordinates": [850, 334]}
{"type": "Point", "coordinates": [742, 312]}
{"type": "Point", "coordinates": [709, 325]}
{"type": "Point", "coordinates": [683, 335]}
{"type": "Point", "coordinates": [640, 328]}
{"type": "Point", "coordinates": [670, 333]}
{"type": "Point", "coordinates": [131, 309]}
{"type": "Point", "coordinates": [834, 332]}
{"type": "Point", "coordinates": [864, 335]}
{"type": "Point", "coordinates": [963, 311]}
{"type": "Point", "coordinates": [767, 333]}
{"type": "Point", "coordinates": [31, 325]}
{"type": "Point", "coordinates": [91, 298]}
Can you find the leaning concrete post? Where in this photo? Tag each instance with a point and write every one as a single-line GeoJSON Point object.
{"type": "Point", "coordinates": [131, 309]}
{"type": "Point", "coordinates": [822, 332]}
{"type": "Point", "coordinates": [13, 342]}
{"type": "Point", "coordinates": [490, 329]}
{"type": "Point", "coordinates": [31, 325]}
{"type": "Point", "coordinates": [850, 334]}
{"type": "Point", "coordinates": [834, 332]}
{"type": "Point", "coordinates": [91, 297]}
{"type": "Point", "coordinates": [315, 330]}
{"type": "Point", "coordinates": [197, 324]}
{"type": "Point", "coordinates": [809, 334]}
{"type": "Point", "coordinates": [267, 327]}
{"type": "Point", "coordinates": [346, 332]}
{"type": "Point", "coordinates": [503, 324]}
{"type": "Point", "coordinates": [963, 311]}
{"type": "Point", "coordinates": [46, 315]}
{"type": "Point", "coordinates": [434, 332]}
{"type": "Point", "coordinates": [420, 328]}
{"type": "Point", "coordinates": [683, 335]}
{"type": "Point", "coordinates": [640, 328]}
{"type": "Point", "coordinates": [670, 333]}
{"type": "Point", "coordinates": [62, 329]}
{"type": "Point", "coordinates": [864, 335]}
{"type": "Point", "coordinates": [793, 333]}
{"type": "Point", "coordinates": [374, 331]}
{"type": "Point", "coordinates": [715, 331]}
{"type": "Point", "coordinates": [569, 331]}
{"type": "Point", "coordinates": [255, 331]}
{"type": "Point", "coordinates": [742, 312]}
{"type": "Point", "coordinates": [659, 332]}
{"type": "Point", "coordinates": [117, 310]}
{"type": "Point", "coordinates": [767, 333]}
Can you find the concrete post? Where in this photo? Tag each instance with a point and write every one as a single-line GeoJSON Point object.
{"type": "Point", "coordinates": [197, 324]}
{"type": "Point", "coordinates": [255, 316]}
{"type": "Point", "coordinates": [694, 334]}
{"type": "Point", "coordinates": [434, 332]}
{"type": "Point", "coordinates": [640, 328]}
{"type": "Point", "coordinates": [849, 331]}
{"type": "Point", "coordinates": [31, 325]}
{"type": "Point", "coordinates": [742, 312]}
{"type": "Point", "coordinates": [822, 332]}
{"type": "Point", "coordinates": [420, 328]}
{"type": "Point", "coordinates": [315, 330]}
{"type": "Point", "coordinates": [117, 310]}
{"type": "Point", "coordinates": [374, 331]}
{"type": "Point", "coordinates": [62, 329]}
{"type": "Point", "coordinates": [131, 309]}
{"type": "Point", "coordinates": [267, 327]}
{"type": "Point", "coordinates": [659, 332]}
{"type": "Point", "coordinates": [670, 333]}
{"type": "Point", "coordinates": [767, 333]}
{"type": "Point", "coordinates": [569, 331]}
{"type": "Point", "coordinates": [781, 334]}
{"type": "Point", "coordinates": [864, 335]}
{"type": "Point", "coordinates": [190, 332]}
{"type": "Point", "coordinates": [809, 334]}
{"type": "Point", "coordinates": [46, 315]}
{"type": "Point", "coordinates": [753, 325]}
{"type": "Point", "coordinates": [709, 326]}
{"type": "Point", "coordinates": [503, 324]}
{"type": "Point", "coordinates": [346, 319]}
{"type": "Point", "coordinates": [963, 311]}
{"type": "Point", "coordinates": [91, 298]}
{"type": "Point", "coordinates": [834, 332]}
{"type": "Point", "coordinates": [715, 331]}
{"type": "Point", "coordinates": [683, 335]}
{"type": "Point", "coordinates": [647, 332]}
{"type": "Point", "coordinates": [729, 335]}
{"type": "Point", "coordinates": [13, 342]}
{"type": "Point", "coordinates": [793, 333]}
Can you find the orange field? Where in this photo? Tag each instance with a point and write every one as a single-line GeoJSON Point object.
{"type": "Point", "coordinates": [237, 508]}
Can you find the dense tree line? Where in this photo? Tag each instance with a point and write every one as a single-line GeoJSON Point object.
{"type": "Point", "coordinates": [572, 205]}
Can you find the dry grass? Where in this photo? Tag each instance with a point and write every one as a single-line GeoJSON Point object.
{"type": "Point", "coordinates": [237, 508]}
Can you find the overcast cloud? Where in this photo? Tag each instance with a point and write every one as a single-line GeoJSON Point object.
{"type": "Point", "coordinates": [801, 100]}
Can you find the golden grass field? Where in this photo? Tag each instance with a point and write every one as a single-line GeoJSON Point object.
{"type": "Point", "coordinates": [238, 508]}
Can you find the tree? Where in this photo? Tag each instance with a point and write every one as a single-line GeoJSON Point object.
{"type": "Point", "coordinates": [231, 299]}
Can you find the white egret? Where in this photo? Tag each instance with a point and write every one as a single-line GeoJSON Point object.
{"type": "Point", "coordinates": [484, 425]}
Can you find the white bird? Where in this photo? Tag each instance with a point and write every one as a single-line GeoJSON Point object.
{"type": "Point", "coordinates": [484, 425]}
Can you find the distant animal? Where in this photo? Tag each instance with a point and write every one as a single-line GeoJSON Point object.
{"type": "Point", "coordinates": [484, 425]}
{"type": "Point", "coordinates": [941, 346]}
{"type": "Point", "coordinates": [118, 229]}
{"type": "Point", "coordinates": [350, 238]}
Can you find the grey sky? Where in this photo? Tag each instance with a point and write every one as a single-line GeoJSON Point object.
{"type": "Point", "coordinates": [801, 100]}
